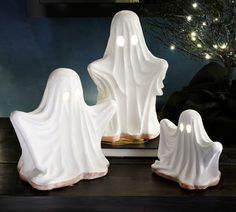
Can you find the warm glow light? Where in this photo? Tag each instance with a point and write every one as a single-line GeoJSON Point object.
{"type": "Point", "coordinates": [204, 23]}
{"type": "Point", "coordinates": [66, 96]}
{"type": "Point", "coordinates": [215, 46]}
{"type": "Point", "coordinates": [223, 46]}
{"type": "Point", "coordinates": [181, 127]}
{"type": "Point", "coordinates": [188, 128]}
{"type": "Point", "coordinates": [207, 56]}
{"type": "Point", "coordinates": [194, 5]}
{"type": "Point", "coordinates": [193, 34]}
{"type": "Point", "coordinates": [189, 18]}
{"type": "Point", "coordinates": [172, 47]}
{"type": "Point", "coordinates": [134, 39]}
{"type": "Point", "coordinates": [193, 38]}
{"type": "Point", "coordinates": [120, 41]}
{"type": "Point", "coordinates": [199, 45]}
{"type": "Point", "coordinates": [216, 19]}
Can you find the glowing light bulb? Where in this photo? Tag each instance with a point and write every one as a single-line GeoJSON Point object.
{"type": "Point", "coordinates": [120, 41]}
{"type": "Point", "coordinates": [189, 18]}
{"type": "Point", "coordinates": [188, 128]}
{"type": "Point", "coordinates": [181, 127]}
{"type": "Point", "coordinates": [134, 39]}
{"type": "Point", "coordinates": [195, 5]}
{"type": "Point", "coordinates": [193, 34]}
{"type": "Point", "coordinates": [204, 23]}
{"type": "Point", "coordinates": [207, 56]}
{"type": "Point", "coordinates": [215, 46]}
{"type": "Point", "coordinates": [199, 45]}
{"type": "Point", "coordinates": [172, 47]}
{"type": "Point", "coordinates": [223, 46]}
{"type": "Point", "coordinates": [216, 19]}
{"type": "Point", "coordinates": [66, 96]}
{"type": "Point", "coordinates": [193, 38]}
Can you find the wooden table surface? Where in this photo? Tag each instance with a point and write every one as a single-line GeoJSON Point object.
{"type": "Point", "coordinates": [129, 185]}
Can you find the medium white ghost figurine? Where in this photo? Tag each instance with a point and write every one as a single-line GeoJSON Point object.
{"type": "Point", "coordinates": [61, 139]}
{"type": "Point", "coordinates": [186, 153]}
{"type": "Point", "coordinates": [133, 77]}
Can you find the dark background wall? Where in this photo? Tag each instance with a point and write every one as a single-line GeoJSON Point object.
{"type": "Point", "coordinates": [30, 48]}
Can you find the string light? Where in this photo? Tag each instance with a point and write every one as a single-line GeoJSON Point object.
{"type": "Point", "coordinates": [194, 5]}
{"type": "Point", "coordinates": [193, 34]}
{"type": "Point", "coordinates": [172, 47]}
{"type": "Point", "coordinates": [207, 56]}
{"type": "Point", "coordinates": [189, 18]}
{"type": "Point", "coordinates": [215, 46]}
{"type": "Point", "coordinates": [216, 19]}
{"type": "Point", "coordinates": [204, 23]}
{"type": "Point", "coordinates": [199, 45]}
{"type": "Point", "coordinates": [223, 46]}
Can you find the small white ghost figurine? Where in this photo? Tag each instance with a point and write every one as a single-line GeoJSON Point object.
{"type": "Point", "coordinates": [133, 77]}
{"type": "Point", "coordinates": [186, 153]}
{"type": "Point", "coordinates": [60, 140]}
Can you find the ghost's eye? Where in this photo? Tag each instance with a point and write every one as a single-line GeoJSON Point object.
{"type": "Point", "coordinates": [181, 127]}
{"type": "Point", "coordinates": [134, 39]}
{"type": "Point", "coordinates": [188, 128]}
{"type": "Point", "coordinates": [66, 96]}
{"type": "Point", "coordinates": [120, 41]}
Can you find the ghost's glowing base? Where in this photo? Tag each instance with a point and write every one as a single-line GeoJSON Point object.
{"type": "Point", "coordinates": [183, 185]}
{"type": "Point", "coordinates": [126, 139]}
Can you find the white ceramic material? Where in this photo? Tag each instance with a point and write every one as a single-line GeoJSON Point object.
{"type": "Point", "coordinates": [186, 153]}
{"type": "Point", "coordinates": [60, 140]}
{"type": "Point", "coordinates": [132, 76]}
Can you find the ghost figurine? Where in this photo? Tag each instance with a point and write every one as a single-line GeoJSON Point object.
{"type": "Point", "coordinates": [133, 77]}
{"type": "Point", "coordinates": [60, 140]}
{"type": "Point", "coordinates": [186, 153]}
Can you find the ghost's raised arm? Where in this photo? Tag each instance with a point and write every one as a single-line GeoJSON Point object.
{"type": "Point", "coordinates": [102, 114]}
{"type": "Point", "coordinates": [167, 133]}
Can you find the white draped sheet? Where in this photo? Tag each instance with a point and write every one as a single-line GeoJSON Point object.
{"type": "Point", "coordinates": [60, 140]}
{"type": "Point", "coordinates": [132, 76]}
{"type": "Point", "coordinates": [186, 153]}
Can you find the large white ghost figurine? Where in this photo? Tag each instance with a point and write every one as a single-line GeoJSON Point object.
{"type": "Point", "coordinates": [60, 140]}
{"type": "Point", "coordinates": [186, 153]}
{"type": "Point", "coordinates": [132, 76]}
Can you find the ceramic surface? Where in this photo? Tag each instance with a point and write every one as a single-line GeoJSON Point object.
{"type": "Point", "coordinates": [61, 139]}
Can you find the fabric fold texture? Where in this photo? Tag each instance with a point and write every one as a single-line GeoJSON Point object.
{"type": "Point", "coordinates": [129, 74]}
{"type": "Point", "coordinates": [61, 139]}
{"type": "Point", "coordinates": [186, 153]}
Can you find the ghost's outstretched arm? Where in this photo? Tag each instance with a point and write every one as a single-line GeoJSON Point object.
{"type": "Point", "coordinates": [160, 76]}
{"type": "Point", "coordinates": [102, 114]}
{"type": "Point", "coordinates": [167, 135]}
{"type": "Point", "coordinates": [28, 152]}
{"type": "Point", "coordinates": [100, 79]}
